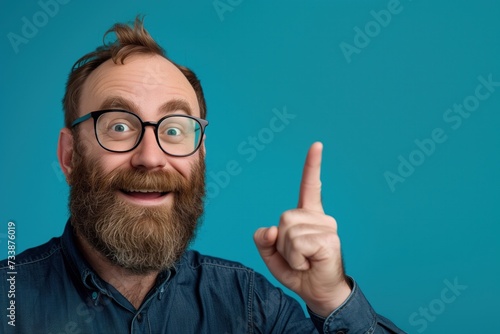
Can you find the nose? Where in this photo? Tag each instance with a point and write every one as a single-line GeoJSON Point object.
{"type": "Point", "coordinates": [148, 155]}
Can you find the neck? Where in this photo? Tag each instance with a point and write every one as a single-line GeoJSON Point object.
{"type": "Point", "coordinates": [132, 286]}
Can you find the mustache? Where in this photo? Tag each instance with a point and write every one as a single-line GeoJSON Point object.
{"type": "Point", "coordinates": [154, 181]}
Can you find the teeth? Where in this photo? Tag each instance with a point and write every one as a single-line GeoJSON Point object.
{"type": "Point", "coordinates": [143, 191]}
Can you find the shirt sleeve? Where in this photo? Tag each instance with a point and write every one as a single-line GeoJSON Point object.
{"type": "Point", "coordinates": [355, 315]}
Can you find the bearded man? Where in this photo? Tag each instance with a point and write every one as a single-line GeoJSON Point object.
{"type": "Point", "coordinates": [132, 150]}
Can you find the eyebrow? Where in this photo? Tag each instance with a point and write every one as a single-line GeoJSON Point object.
{"type": "Point", "coordinates": [176, 104]}
{"type": "Point", "coordinates": [119, 102]}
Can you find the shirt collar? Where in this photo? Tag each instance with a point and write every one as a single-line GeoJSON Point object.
{"type": "Point", "coordinates": [79, 266]}
{"type": "Point", "coordinates": [84, 272]}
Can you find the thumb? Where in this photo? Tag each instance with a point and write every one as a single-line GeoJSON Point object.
{"type": "Point", "coordinates": [265, 239]}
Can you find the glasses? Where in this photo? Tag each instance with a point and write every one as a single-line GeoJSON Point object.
{"type": "Point", "coordinates": [121, 131]}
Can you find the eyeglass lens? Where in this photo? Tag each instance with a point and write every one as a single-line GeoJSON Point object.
{"type": "Point", "coordinates": [120, 131]}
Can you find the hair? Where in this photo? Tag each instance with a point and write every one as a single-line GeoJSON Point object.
{"type": "Point", "coordinates": [130, 40]}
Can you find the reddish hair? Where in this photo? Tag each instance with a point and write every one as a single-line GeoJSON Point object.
{"type": "Point", "coordinates": [130, 39]}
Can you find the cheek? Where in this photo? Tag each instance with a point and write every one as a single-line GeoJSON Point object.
{"type": "Point", "coordinates": [87, 129]}
{"type": "Point", "coordinates": [91, 149]}
{"type": "Point", "coordinates": [108, 161]}
{"type": "Point", "coordinates": [185, 165]}
{"type": "Point", "coordinates": [86, 138]}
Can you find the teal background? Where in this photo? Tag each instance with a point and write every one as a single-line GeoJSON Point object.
{"type": "Point", "coordinates": [441, 223]}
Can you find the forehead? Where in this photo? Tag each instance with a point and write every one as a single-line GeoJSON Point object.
{"type": "Point", "coordinates": [146, 82]}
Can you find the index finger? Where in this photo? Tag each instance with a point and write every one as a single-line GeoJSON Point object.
{"type": "Point", "coordinates": [310, 186]}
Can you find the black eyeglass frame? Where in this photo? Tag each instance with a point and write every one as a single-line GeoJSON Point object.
{"type": "Point", "coordinates": [96, 114]}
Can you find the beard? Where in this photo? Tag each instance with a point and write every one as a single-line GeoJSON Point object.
{"type": "Point", "coordinates": [141, 239]}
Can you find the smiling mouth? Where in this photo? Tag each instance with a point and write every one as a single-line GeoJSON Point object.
{"type": "Point", "coordinates": [144, 194]}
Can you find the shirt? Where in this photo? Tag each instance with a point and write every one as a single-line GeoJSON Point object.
{"type": "Point", "coordinates": [51, 289]}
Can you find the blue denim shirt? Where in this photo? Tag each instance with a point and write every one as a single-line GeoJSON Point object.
{"type": "Point", "coordinates": [55, 291]}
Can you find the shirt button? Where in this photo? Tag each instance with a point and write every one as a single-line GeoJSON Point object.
{"type": "Point", "coordinates": [139, 317]}
{"type": "Point", "coordinates": [94, 295]}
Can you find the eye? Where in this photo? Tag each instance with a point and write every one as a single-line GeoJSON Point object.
{"type": "Point", "coordinates": [120, 127]}
{"type": "Point", "coordinates": [173, 132]}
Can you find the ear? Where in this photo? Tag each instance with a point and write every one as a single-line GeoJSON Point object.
{"type": "Point", "coordinates": [65, 151]}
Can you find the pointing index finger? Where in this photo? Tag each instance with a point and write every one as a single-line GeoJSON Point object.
{"type": "Point", "coordinates": [310, 186]}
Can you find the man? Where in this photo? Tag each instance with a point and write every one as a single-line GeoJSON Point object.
{"type": "Point", "coordinates": [132, 150]}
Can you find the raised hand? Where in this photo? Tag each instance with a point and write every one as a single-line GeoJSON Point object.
{"type": "Point", "coordinates": [303, 251]}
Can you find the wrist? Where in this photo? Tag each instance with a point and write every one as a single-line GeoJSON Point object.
{"type": "Point", "coordinates": [327, 305]}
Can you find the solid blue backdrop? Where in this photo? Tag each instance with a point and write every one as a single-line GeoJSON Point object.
{"type": "Point", "coordinates": [404, 95]}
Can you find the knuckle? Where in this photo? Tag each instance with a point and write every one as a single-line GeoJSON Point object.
{"type": "Point", "coordinates": [287, 218]}
{"type": "Point", "coordinates": [331, 221]}
{"type": "Point", "coordinates": [294, 232]}
{"type": "Point", "coordinates": [332, 241]}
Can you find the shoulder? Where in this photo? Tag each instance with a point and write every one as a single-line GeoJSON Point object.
{"type": "Point", "coordinates": [38, 255]}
